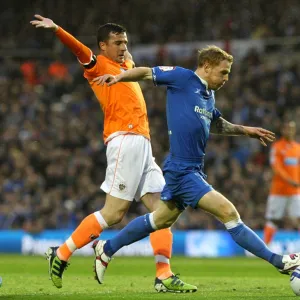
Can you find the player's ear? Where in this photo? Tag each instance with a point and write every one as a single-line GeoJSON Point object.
{"type": "Point", "coordinates": [206, 67]}
{"type": "Point", "coordinates": [102, 46]}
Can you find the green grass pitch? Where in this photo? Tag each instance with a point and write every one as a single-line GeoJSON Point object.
{"type": "Point", "coordinates": [26, 278]}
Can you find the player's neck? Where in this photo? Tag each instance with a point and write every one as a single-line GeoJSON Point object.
{"type": "Point", "coordinates": [288, 139]}
{"type": "Point", "coordinates": [201, 76]}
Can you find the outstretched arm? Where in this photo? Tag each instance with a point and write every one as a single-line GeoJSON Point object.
{"type": "Point", "coordinates": [83, 53]}
{"type": "Point", "coordinates": [223, 127]}
{"type": "Point", "coordinates": [136, 74]}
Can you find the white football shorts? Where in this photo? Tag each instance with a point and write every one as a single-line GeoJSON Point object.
{"type": "Point", "coordinates": [281, 206]}
{"type": "Point", "coordinates": [131, 169]}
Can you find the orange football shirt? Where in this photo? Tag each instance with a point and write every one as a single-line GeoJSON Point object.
{"type": "Point", "coordinates": [123, 104]}
{"type": "Point", "coordinates": [285, 162]}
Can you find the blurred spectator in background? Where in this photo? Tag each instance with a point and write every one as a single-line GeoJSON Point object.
{"type": "Point", "coordinates": [284, 196]}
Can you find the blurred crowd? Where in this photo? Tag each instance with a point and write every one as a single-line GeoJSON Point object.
{"type": "Point", "coordinates": [175, 20]}
{"type": "Point", "coordinates": [52, 156]}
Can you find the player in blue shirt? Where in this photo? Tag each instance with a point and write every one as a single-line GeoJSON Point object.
{"type": "Point", "coordinates": [191, 116]}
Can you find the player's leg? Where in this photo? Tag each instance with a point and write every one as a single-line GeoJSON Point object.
{"type": "Point", "coordinates": [149, 191]}
{"type": "Point", "coordinates": [275, 210]}
{"type": "Point", "coordinates": [161, 241]}
{"type": "Point", "coordinates": [91, 226]}
{"type": "Point", "coordinates": [150, 186]}
{"type": "Point", "coordinates": [163, 217]}
{"type": "Point", "coordinates": [293, 210]}
{"type": "Point", "coordinates": [216, 204]}
{"type": "Point", "coordinates": [120, 188]}
{"type": "Point", "coordinates": [88, 230]}
{"type": "Point", "coordinates": [127, 176]}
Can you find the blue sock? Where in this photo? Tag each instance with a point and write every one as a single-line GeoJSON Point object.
{"type": "Point", "coordinates": [250, 241]}
{"type": "Point", "coordinates": [136, 230]}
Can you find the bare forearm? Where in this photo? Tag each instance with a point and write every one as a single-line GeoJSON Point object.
{"type": "Point", "coordinates": [136, 74]}
{"type": "Point", "coordinates": [223, 127]}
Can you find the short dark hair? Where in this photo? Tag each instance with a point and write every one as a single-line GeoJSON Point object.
{"type": "Point", "coordinates": [104, 31]}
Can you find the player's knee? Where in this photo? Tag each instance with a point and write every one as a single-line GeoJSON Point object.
{"type": "Point", "coordinates": [162, 223]}
{"type": "Point", "coordinates": [113, 217]}
{"type": "Point", "coordinates": [165, 215]}
{"type": "Point", "coordinates": [229, 213]}
{"type": "Point", "coordinates": [118, 217]}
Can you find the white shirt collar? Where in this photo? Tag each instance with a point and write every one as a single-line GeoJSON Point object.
{"type": "Point", "coordinates": [203, 81]}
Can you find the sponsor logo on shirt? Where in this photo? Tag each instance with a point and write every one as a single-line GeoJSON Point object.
{"type": "Point", "coordinates": [291, 161]}
{"type": "Point", "coordinates": [203, 112]}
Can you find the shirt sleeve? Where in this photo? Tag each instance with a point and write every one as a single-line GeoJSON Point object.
{"type": "Point", "coordinates": [83, 53]}
{"type": "Point", "coordinates": [173, 77]}
{"type": "Point", "coordinates": [216, 114]}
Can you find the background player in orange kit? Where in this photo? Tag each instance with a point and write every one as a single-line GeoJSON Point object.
{"type": "Point", "coordinates": [284, 196]}
{"type": "Point", "coordinates": [131, 170]}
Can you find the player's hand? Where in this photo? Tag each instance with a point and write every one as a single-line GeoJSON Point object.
{"type": "Point", "coordinates": [43, 23]}
{"type": "Point", "coordinates": [107, 78]}
{"type": "Point", "coordinates": [261, 134]}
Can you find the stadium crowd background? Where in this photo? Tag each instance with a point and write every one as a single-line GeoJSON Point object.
{"type": "Point", "coordinates": [52, 156]}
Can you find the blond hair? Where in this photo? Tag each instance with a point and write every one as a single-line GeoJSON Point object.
{"type": "Point", "coordinates": [213, 55]}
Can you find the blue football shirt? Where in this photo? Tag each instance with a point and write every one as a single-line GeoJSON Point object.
{"type": "Point", "coordinates": [190, 111]}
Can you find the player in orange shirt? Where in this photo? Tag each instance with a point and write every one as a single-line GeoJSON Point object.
{"type": "Point", "coordinates": [284, 196]}
{"type": "Point", "coordinates": [131, 170]}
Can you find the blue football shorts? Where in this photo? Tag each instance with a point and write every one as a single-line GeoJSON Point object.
{"type": "Point", "coordinates": [186, 188]}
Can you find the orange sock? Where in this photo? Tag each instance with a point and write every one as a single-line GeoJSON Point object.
{"type": "Point", "coordinates": [161, 241]}
{"type": "Point", "coordinates": [269, 232]}
{"type": "Point", "coordinates": [88, 230]}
